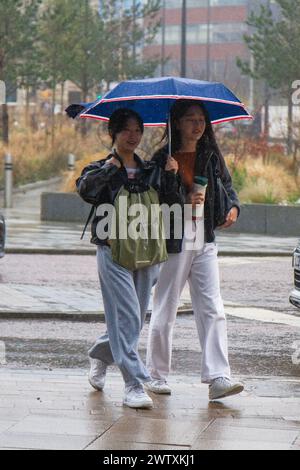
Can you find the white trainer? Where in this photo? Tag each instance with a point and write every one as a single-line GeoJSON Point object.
{"type": "Point", "coordinates": [160, 387]}
{"type": "Point", "coordinates": [223, 387]}
{"type": "Point", "coordinates": [97, 374]}
{"type": "Point", "coordinates": [136, 397]}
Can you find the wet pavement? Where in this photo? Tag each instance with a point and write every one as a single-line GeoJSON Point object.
{"type": "Point", "coordinates": [58, 410]}
{"type": "Point", "coordinates": [46, 401]}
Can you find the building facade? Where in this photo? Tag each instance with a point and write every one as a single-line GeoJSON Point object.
{"type": "Point", "coordinates": [214, 40]}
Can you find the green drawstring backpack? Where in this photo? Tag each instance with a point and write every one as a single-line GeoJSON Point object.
{"type": "Point", "coordinates": [137, 237]}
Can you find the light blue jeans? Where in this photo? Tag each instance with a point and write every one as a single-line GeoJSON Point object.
{"type": "Point", "coordinates": [126, 296]}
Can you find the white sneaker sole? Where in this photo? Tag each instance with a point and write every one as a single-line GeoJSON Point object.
{"type": "Point", "coordinates": [157, 391]}
{"type": "Point", "coordinates": [96, 387]}
{"type": "Point", "coordinates": [145, 405]}
{"type": "Point", "coordinates": [230, 392]}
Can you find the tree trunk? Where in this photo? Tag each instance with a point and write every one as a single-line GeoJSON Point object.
{"type": "Point", "coordinates": [83, 127]}
{"type": "Point", "coordinates": [62, 103]}
{"type": "Point", "coordinates": [266, 119]}
{"type": "Point", "coordinates": [27, 108]}
{"type": "Point", "coordinates": [267, 115]}
{"type": "Point", "coordinates": [290, 125]}
{"type": "Point", "coordinates": [5, 124]}
{"type": "Point", "coordinates": [53, 119]}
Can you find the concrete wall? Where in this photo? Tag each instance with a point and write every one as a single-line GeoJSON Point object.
{"type": "Point", "coordinates": [266, 219]}
{"type": "Point", "coordinates": [269, 219]}
{"type": "Point", "coordinates": [64, 207]}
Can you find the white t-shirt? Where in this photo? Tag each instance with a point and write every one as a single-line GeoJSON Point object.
{"type": "Point", "coordinates": [132, 172]}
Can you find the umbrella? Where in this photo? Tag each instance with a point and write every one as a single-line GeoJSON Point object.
{"type": "Point", "coordinates": [153, 98]}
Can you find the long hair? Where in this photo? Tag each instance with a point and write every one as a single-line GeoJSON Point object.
{"type": "Point", "coordinates": [205, 145]}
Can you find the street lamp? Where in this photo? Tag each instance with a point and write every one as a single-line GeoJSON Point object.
{"type": "Point", "coordinates": [208, 41]}
{"type": "Point", "coordinates": [183, 39]}
{"type": "Point", "coordinates": [163, 38]}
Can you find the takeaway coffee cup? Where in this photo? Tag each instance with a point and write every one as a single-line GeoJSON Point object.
{"type": "Point", "coordinates": [200, 185]}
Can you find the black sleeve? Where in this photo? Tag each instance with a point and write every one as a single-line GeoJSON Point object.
{"type": "Point", "coordinates": [227, 182]}
{"type": "Point", "coordinates": [171, 186]}
{"type": "Point", "coordinates": [93, 180]}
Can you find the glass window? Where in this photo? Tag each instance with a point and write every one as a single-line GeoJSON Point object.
{"type": "Point", "coordinates": [217, 3]}
{"type": "Point", "coordinates": [227, 32]}
{"type": "Point", "coordinates": [172, 35]}
{"type": "Point", "coordinates": [204, 3]}
{"type": "Point", "coordinates": [11, 92]}
{"type": "Point", "coordinates": [197, 33]}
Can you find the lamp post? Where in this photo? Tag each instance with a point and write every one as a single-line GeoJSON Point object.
{"type": "Point", "coordinates": [183, 39]}
{"type": "Point", "coordinates": [208, 41]}
{"type": "Point", "coordinates": [163, 38]}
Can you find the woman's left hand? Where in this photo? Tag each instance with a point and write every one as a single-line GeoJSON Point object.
{"type": "Point", "coordinates": [231, 218]}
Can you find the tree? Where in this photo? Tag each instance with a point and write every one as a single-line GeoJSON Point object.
{"type": "Point", "coordinates": [275, 49]}
{"type": "Point", "coordinates": [106, 44]}
{"type": "Point", "coordinates": [18, 25]}
{"type": "Point", "coordinates": [57, 40]}
{"type": "Point", "coordinates": [111, 50]}
{"type": "Point", "coordinates": [140, 24]}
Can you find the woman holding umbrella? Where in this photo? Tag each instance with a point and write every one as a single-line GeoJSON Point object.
{"type": "Point", "coordinates": [194, 147]}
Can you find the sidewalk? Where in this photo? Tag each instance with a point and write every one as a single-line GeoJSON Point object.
{"type": "Point", "coordinates": [59, 410]}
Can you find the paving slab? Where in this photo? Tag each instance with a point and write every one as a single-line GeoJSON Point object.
{"type": "Point", "coordinates": [38, 416]}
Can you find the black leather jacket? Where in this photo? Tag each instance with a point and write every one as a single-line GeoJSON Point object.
{"type": "Point", "coordinates": [214, 169]}
{"type": "Point", "coordinates": [100, 183]}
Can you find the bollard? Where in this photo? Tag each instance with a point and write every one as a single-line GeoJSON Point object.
{"type": "Point", "coordinates": [71, 162]}
{"type": "Point", "coordinates": [2, 354]}
{"type": "Point", "coordinates": [8, 172]}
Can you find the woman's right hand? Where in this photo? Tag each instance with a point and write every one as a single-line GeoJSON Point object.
{"type": "Point", "coordinates": [114, 161]}
{"type": "Point", "coordinates": [171, 165]}
{"type": "Point", "coordinates": [195, 198]}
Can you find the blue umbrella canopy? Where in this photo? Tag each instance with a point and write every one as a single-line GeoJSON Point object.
{"type": "Point", "coordinates": [153, 98]}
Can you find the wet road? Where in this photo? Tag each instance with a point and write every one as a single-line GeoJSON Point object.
{"type": "Point", "coordinates": [260, 282]}
{"type": "Point", "coordinates": [255, 348]}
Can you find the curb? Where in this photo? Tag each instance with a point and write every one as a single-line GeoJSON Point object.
{"type": "Point", "coordinates": [91, 251]}
{"type": "Point", "coordinates": [96, 316]}
{"type": "Point", "coordinates": [49, 251]}
{"type": "Point", "coordinates": [35, 185]}
{"type": "Point", "coordinates": [88, 317]}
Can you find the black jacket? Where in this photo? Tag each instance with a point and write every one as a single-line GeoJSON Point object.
{"type": "Point", "coordinates": [100, 183]}
{"type": "Point", "coordinates": [213, 170]}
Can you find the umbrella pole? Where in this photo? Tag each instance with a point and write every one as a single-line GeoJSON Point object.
{"type": "Point", "coordinates": [170, 137]}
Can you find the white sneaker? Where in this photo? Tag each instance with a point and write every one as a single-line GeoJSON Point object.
{"type": "Point", "coordinates": [158, 386]}
{"type": "Point", "coordinates": [223, 387]}
{"type": "Point", "coordinates": [97, 374]}
{"type": "Point", "coordinates": [136, 397]}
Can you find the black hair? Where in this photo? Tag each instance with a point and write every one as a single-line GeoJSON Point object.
{"type": "Point", "coordinates": [206, 144]}
{"type": "Point", "coordinates": [119, 120]}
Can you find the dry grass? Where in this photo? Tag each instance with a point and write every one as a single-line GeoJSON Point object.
{"type": "Point", "coordinates": [271, 183]}
{"type": "Point", "coordinates": [257, 178]}
{"type": "Point", "coordinates": [37, 157]}
{"type": "Point", "coordinates": [70, 178]}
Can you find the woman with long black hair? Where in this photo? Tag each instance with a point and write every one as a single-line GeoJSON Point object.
{"type": "Point", "coordinates": [193, 258]}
